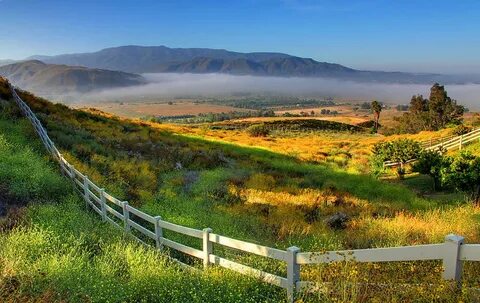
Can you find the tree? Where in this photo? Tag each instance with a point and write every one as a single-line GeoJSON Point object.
{"type": "Point", "coordinates": [463, 174]}
{"type": "Point", "coordinates": [376, 109]}
{"type": "Point", "coordinates": [418, 104]}
{"type": "Point", "coordinates": [442, 108]}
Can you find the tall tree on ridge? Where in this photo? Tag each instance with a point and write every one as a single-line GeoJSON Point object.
{"type": "Point", "coordinates": [442, 108]}
{"type": "Point", "coordinates": [376, 109]}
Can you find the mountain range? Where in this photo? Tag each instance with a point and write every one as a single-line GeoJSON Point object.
{"type": "Point", "coordinates": [48, 79]}
{"type": "Point", "coordinates": [120, 67]}
{"type": "Point", "coordinates": [162, 59]}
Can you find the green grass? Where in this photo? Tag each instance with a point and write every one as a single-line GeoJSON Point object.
{"type": "Point", "coordinates": [61, 252]}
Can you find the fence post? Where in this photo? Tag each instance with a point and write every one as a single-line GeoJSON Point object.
{"type": "Point", "coordinates": [72, 172]}
{"type": "Point", "coordinates": [452, 265]}
{"type": "Point", "coordinates": [62, 167]}
{"type": "Point", "coordinates": [85, 191]}
{"type": "Point", "coordinates": [461, 142]}
{"type": "Point", "coordinates": [103, 204]}
{"type": "Point", "coordinates": [126, 216]}
{"type": "Point", "coordinates": [158, 232]}
{"type": "Point", "coordinates": [207, 247]}
{"type": "Point", "coordinates": [293, 272]}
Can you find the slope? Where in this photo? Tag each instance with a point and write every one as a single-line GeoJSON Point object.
{"type": "Point", "coordinates": [396, 227]}
{"type": "Point", "coordinates": [54, 251]}
{"type": "Point", "coordinates": [198, 183]}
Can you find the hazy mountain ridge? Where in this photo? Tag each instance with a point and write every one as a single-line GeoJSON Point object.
{"type": "Point", "coordinates": [149, 59]}
{"type": "Point", "coordinates": [6, 62]}
{"type": "Point", "coordinates": [161, 59]}
{"type": "Point", "coordinates": [45, 78]}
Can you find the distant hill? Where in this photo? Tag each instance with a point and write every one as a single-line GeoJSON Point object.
{"type": "Point", "coordinates": [47, 79]}
{"type": "Point", "coordinates": [161, 59]}
{"type": "Point", "coordinates": [6, 62]}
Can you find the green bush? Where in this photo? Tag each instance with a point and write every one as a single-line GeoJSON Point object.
{"type": "Point", "coordinates": [463, 174]}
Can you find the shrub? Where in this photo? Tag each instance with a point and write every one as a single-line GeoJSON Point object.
{"type": "Point", "coordinates": [464, 175]}
{"type": "Point", "coordinates": [258, 130]}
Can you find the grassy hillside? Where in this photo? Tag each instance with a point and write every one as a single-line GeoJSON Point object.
{"type": "Point", "coordinates": [272, 198]}
{"type": "Point", "coordinates": [55, 251]}
{"type": "Point", "coordinates": [249, 193]}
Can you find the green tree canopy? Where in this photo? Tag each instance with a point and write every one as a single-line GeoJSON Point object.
{"type": "Point", "coordinates": [430, 114]}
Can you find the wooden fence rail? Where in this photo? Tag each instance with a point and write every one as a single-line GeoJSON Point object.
{"type": "Point", "coordinates": [121, 214]}
{"type": "Point", "coordinates": [447, 143]}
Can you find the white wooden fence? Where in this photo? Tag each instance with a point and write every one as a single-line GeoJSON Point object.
{"type": "Point", "coordinates": [119, 213]}
{"type": "Point", "coordinates": [447, 143]}
{"type": "Point", "coordinates": [456, 142]}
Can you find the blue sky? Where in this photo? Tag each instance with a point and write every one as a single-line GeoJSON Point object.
{"type": "Point", "coordinates": [436, 36]}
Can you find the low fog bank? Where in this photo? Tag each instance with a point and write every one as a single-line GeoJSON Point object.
{"type": "Point", "coordinates": [209, 85]}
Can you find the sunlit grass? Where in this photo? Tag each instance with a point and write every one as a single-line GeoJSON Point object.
{"type": "Point", "coordinates": [61, 252]}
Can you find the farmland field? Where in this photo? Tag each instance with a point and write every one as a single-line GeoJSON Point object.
{"type": "Point", "coordinates": [175, 108]}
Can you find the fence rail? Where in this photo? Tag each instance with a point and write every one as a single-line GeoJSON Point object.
{"type": "Point", "coordinates": [453, 251]}
{"type": "Point", "coordinates": [445, 143]}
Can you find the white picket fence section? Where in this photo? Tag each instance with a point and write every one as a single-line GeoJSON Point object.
{"type": "Point", "coordinates": [456, 142]}
{"type": "Point", "coordinates": [119, 213]}
{"type": "Point", "coordinates": [447, 143]}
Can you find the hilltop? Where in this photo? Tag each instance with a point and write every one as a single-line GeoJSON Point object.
{"type": "Point", "coordinates": [47, 79]}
